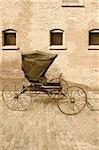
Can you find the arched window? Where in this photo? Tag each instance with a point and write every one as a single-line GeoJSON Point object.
{"type": "Point", "coordinates": [56, 37]}
{"type": "Point", "coordinates": [9, 39]}
{"type": "Point", "coordinates": [94, 37]}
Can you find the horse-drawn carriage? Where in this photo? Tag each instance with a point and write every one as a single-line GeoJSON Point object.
{"type": "Point", "coordinates": [17, 95]}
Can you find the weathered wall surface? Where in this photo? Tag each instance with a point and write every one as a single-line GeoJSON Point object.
{"type": "Point", "coordinates": [33, 20]}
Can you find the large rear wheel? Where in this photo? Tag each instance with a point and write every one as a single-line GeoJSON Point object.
{"type": "Point", "coordinates": [73, 101]}
{"type": "Point", "coordinates": [16, 96]}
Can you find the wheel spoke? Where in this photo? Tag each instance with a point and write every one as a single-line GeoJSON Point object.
{"type": "Point", "coordinates": [63, 102]}
{"type": "Point", "coordinates": [80, 101]}
{"type": "Point", "coordinates": [14, 103]}
{"type": "Point", "coordinates": [73, 108]}
{"type": "Point", "coordinates": [76, 98]}
{"type": "Point", "coordinates": [18, 104]}
{"type": "Point", "coordinates": [10, 101]}
{"type": "Point", "coordinates": [21, 103]}
{"type": "Point", "coordinates": [13, 95]}
{"type": "Point", "coordinates": [76, 106]}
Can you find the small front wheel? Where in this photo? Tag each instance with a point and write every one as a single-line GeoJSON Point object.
{"type": "Point", "coordinates": [16, 96]}
{"type": "Point", "coordinates": [73, 101]}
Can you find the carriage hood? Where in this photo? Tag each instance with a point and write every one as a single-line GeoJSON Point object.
{"type": "Point", "coordinates": [38, 55]}
{"type": "Point", "coordinates": [36, 63]}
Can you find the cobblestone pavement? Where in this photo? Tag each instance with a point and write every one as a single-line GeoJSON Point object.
{"type": "Point", "coordinates": [44, 127]}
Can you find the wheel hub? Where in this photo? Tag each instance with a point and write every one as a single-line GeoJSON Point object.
{"type": "Point", "coordinates": [72, 100]}
{"type": "Point", "coordinates": [16, 96]}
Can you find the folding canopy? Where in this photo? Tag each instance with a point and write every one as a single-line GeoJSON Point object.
{"type": "Point", "coordinates": [36, 63]}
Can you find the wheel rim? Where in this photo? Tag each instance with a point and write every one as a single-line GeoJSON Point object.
{"type": "Point", "coordinates": [73, 101]}
{"type": "Point", "coordinates": [56, 93]}
{"type": "Point", "coordinates": [13, 99]}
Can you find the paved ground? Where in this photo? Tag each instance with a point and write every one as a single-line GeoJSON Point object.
{"type": "Point", "coordinates": [44, 127]}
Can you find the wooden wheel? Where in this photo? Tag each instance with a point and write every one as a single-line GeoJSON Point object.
{"type": "Point", "coordinates": [16, 96]}
{"type": "Point", "coordinates": [73, 101]}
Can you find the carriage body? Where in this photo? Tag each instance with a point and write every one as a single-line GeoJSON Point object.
{"type": "Point", "coordinates": [17, 96]}
{"type": "Point", "coordinates": [35, 65]}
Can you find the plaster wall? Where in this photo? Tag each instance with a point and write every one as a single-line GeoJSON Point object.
{"type": "Point", "coordinates": [33, 20]}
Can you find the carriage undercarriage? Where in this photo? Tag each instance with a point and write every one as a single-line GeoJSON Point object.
{"type": "Point", "coordinates": [70, 100]}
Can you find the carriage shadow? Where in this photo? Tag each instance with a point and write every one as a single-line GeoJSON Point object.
{"type": "Point", "coordinates": [39, 102]}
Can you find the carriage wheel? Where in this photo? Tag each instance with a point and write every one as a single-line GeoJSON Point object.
{"type": "Point", "coordinates": [55, 93]}
{"type": "Point", "coordinates": [16, 97]}
{"type": "Point", "coordinates": [73, 101]}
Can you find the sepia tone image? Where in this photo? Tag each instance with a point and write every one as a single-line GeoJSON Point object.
{"type": "Point", "coordinates": [49, 75]}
